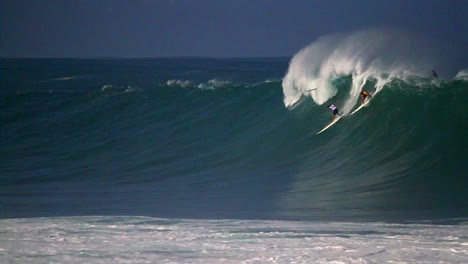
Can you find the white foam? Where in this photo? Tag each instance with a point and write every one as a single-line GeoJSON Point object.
{"type": "Point", "coordinates": [213, 84]}
{"type": "Point", "coordinates": [462, 75]}
{"type": "Point", "coordinates": [209, 85]}
{"type": "Point", "coordinates": [65, 78]}
{"type": "Point", "coordinates": [106, 87]}
{"type": "Point", "coordinates": [380, 54]}
{"type": "Point", "coordinates": [181, 83]}
{"type": "Point", "coordinates": [155, 240]}
{"type": "Point", "coordinates": [119, 89]}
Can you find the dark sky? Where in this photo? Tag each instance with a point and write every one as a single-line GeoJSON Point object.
{"type": "Point", "coordinates": [213, 28]}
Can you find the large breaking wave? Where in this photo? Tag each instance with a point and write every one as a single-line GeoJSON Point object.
{"type": "Point", "coordinates": [378, 54]}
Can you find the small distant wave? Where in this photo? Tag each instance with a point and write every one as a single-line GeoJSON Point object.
{"type": "Point", "coordinates": [272, 80]}
{"type": "Point", "coordinates": [214, 84]}
{"type": "Point", "coordinates": [108, 88]}
{"type": "Point", "coordinates": [209, 85]}
{"type": "Point", "coordinates": [179, 83]}
{"type": "Point", "coordinates": [67, 78]}
{"type": "Point", "coordinates": [267, 81]}
{"type": "Point", "coordinates": [64, 78]}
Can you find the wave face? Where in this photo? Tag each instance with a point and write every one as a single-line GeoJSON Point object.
{"type": "Point", "coordinates": [209, 138]}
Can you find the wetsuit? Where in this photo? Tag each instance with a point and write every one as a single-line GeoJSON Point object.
{"type": "Point", "coordinates": [334, 109]}
{"type": "Point", "coordinates": [364, 95]}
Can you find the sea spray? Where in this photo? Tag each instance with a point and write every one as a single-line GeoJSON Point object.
{"type": "Point", "coordinates": [462, 75]}
{"type": "Point", "coordinates": [377, 54]}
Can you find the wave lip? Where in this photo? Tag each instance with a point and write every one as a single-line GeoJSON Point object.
{"type": "Point", "coordinates": [379, 54]}
{"type": "Point", "coordinates": [462, 75]}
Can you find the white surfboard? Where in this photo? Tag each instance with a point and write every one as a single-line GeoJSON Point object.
{"type": "Point", "coordinates": [330, 125]}
{"type": "Point", "coordinates": [360, 107]}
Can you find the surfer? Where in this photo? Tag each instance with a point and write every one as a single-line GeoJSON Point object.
{"type": "Point", "coordinates": [334, 109]}
{"type": "Point", "coordinates": [434, 74]}
{"type": "Point", "coordinates": [364, 95]}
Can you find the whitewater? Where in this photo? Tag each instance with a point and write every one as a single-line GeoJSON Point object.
{"type": "Point", "coordinates": [382, 55]}
{"type": "Point", "coordinates": [196, 160]}
{"type": "Point", "coordinates": [155, 240]}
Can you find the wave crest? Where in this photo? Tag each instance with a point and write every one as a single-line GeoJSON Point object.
{"type": "Point", "coordinates": [462, 75]}
{"type": "Point", "coordinates": [380, 54]}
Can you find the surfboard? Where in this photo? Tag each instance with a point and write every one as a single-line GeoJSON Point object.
{"type": "Point", "coordinates": [330, 125]}
{"type": "Point", "coordinates": [360, 107]}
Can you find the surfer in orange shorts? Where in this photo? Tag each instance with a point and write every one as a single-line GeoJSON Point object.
{"type": "Point", "coordinates": [364, 95]}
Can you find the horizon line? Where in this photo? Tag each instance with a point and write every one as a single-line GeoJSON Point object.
{"type": "Point", "coordinates": [150, 57]}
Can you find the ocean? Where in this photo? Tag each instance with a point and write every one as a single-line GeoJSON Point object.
{"type": "Point", "coordinates": [196, 160]}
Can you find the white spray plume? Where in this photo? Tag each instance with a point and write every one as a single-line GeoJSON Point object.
{"type": "Point", "coordinates": [380, 54]}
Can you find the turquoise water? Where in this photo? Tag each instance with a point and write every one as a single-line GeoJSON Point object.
{"type": "Point", "coordinates": [212, 138]}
